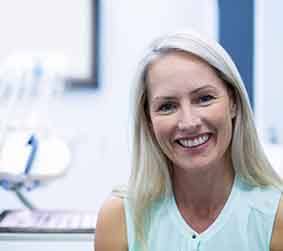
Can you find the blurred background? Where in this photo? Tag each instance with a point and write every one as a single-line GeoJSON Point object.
{"type": "Point", "coordinates": [95, 45]}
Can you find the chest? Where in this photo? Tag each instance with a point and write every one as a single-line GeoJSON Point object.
{"type": "Point", "coordinates": [200, 220]}
{"type": "Point", "coordinates": [234, 235]}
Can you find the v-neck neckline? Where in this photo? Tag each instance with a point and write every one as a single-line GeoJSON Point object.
{"type": "Point", "coordinates": [225, 213]}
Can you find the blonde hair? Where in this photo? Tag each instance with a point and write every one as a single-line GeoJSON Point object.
{"type": "Point", "coordinates": [150, 179]}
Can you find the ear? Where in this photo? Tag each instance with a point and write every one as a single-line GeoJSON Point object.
{"type": "Point", "coordinates": [233, 109]}
{"type": "Point", "coordinates": [233, 102]}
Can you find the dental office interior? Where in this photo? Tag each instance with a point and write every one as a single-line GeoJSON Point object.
{"type": "Point", "coordinates": [66, 73]}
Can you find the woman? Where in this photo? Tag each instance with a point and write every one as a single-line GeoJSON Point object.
{"type": "Point", "coordinates": [200, 180]}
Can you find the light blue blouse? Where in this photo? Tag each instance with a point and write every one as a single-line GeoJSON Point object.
{"type": "Point", "coordinates": [245, 223]}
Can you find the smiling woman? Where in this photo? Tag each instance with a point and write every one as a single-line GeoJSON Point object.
{"type": "Point", "coordinates": [200, 180]}
{"type": "Point", "coordinates": [191, 120]}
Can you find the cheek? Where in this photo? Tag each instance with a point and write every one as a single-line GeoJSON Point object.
{"type": "Point", "coordinates": [162, 129]}
{"type": "Point", "coordinates": [225, 126]}
{"type": "Point", "coordinates": [220, 118]}
{"type": "Point", "coordinates": [159, 129]}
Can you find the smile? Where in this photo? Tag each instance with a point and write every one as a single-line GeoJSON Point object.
{"type": "Point", "coordinates": [197, 141]}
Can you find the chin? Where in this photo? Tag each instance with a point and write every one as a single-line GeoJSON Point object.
{"type": "Point", "coordinates": [197, 163]}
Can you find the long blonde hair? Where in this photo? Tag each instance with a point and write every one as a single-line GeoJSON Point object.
{"type": "Point", "coordinates": [150, 179]}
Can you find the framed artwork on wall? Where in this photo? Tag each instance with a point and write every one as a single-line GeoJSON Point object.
{"type": "Point", "coordinates": [67, 29]}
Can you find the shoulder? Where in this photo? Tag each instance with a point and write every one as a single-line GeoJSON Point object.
{"type": "Point", "coordinates": [262, 200]}
{"type": "Point", "coordinates": [110, 232]}
{"type": "Point", "coordinates": [277, 240]}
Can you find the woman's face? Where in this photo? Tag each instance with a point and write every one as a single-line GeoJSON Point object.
{"type": "Point", "coordinates": [191, 111]}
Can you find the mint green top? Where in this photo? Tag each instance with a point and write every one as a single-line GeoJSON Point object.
{"type": "Point", "coordinates": [245, 223]}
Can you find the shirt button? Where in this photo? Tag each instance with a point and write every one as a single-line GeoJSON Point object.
{"type": "Point", "coordinates": [194, 236]}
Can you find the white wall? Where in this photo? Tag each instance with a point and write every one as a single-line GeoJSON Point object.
{"type": "Point", "coordinates": [268, 79]}
{"type": "Point", "coordinates": [48, 26]}
{"type": "Point", "coordinates": [97, 121]}
{"type": "Point", "coordinates": [268, 68]}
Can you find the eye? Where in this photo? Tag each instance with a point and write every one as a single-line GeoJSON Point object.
{"type": "Point", "coordinates": [205, 99]}
{"type": "Point", "coordinates": [167, 108]}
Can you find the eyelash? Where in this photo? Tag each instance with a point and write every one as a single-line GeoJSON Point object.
{"type": "Point", "coordinates": [205, 99]}
{"type": "Point", "coordinates": [166, 107]}
{"type": "Point", "coordinates": [169, 107]}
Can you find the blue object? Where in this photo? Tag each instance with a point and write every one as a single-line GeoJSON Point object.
{"type": "Point", "coordinates": [34, 147]}
{"type": "Point", "coordinates": [6, 184]}
{"type": "Point", "coordinates": [13, 185]}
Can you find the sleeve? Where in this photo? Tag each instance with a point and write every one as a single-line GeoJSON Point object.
{"type": "Point", "coordinates": [265, 202]}
{"type": "Point", "coordinates": [129, 224]}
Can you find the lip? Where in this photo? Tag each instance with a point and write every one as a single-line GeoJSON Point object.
{"type": "Point", "coordinates": [194, 148]}
{"type": "Point", "coordinates": [192, 137]}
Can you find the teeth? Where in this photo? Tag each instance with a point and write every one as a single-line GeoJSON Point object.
{"type": "Point", "coordinates": [193, 142]}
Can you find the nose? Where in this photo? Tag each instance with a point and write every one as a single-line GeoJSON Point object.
{"type": "Point", "coordinates": [189, 120]}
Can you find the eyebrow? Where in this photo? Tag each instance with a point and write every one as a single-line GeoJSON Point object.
{"type": "Point", "coordinates": [163, 98]}
{"type": "Point", "coordinates": [203, 88]}
{"type": "Point", "coordinates": [192, 92]}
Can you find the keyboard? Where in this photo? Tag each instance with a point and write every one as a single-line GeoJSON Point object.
{"type": "Point", "coordinates": [48, 221]}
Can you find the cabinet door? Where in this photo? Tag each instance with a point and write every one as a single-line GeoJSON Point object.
{"type": "Point", "coordinates": [46, 245]}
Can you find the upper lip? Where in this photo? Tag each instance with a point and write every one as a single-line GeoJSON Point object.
{"type": "Point", "coordinates": [191, 137]}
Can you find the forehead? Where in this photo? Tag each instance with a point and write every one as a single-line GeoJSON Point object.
{"type": "Point", "coordinates": [177, 60]}
{"type": "Point", "coordinates": [181, 69]}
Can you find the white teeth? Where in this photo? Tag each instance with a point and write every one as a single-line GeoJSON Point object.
{"type": "Point", "coordinates": [193, 142]}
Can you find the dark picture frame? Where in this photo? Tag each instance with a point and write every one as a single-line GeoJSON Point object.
{"type": "Point", "coordinates": [92, 80]}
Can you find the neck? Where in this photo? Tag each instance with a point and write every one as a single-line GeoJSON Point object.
{"type": "Point", "coordinates": [200, 196]}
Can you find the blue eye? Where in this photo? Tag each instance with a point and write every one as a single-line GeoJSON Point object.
{"type": "Point", "coordinates": [205, 98]}
{"type": "Point", "coordinates": [167, 108]}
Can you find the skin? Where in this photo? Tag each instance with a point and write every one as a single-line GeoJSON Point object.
{"type": "Point", "coordinates": [277, 240]}
{"type": "Point", "coordinates": [187, 100]}
{"type": "Point", "coordinates": [110, 231]}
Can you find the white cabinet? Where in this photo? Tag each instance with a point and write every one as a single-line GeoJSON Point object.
{"type": "Point", "coordinates": [46, 242]}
